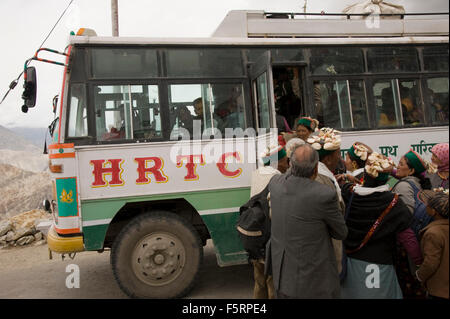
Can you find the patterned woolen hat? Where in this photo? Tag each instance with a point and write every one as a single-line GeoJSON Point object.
{"type": "Point", "coordinates": [308, 122]}
{"type": "Point", "coordinates": [436, 199]}
{"type": "Point", "coordinates": [378, 166]}
{"type": "Point", "coordinates": [326, 141]}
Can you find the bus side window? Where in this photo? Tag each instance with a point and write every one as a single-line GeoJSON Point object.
{"type": "Point", "coordinates": [387, 103]}
{"type": "Point", "coordinates": [112, 111]}
{"type": "Point", "coordinates": [77, 112]}
{"type": "Point", "coordinates": [412, 109]}
{"type": "Point", "coordinates": [437, 95]}
{"type": "Point", "coordinates": [341, 104]}
{"type": "Point", "coordinates": [146, 115]}
{"type": "Point", "coordinates": [206, 109]}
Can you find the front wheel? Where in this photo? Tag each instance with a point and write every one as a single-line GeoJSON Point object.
{"type": "Point", "coordinates": [157, 255]}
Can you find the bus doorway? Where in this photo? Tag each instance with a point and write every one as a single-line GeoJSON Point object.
{"type": "Point", "coordinates": [289, 97]}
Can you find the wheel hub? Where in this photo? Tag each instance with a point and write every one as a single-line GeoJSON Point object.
{"type": "Point", "coordinates": [158, 259]}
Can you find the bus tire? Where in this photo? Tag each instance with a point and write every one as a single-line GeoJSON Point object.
{"type": "Point", "coordinates": [157, 255]}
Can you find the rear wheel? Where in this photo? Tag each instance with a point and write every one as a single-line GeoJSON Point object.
{"type": "Point", "coordinates": [157, 255]}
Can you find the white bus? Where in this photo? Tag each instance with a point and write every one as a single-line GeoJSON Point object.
{"type": "Point", "coordinates": [124, 180]}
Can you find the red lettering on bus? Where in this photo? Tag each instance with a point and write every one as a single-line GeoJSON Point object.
{"type": "Point", "coordinates": [156, 170]}
{"type": "Point", "coordinates": [191, 165]}
{"type": "Point", "coordinates": [223, 166]}
{"type": "Point", "coordinates": [100, 171]}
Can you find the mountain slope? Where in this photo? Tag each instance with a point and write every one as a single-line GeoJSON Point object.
{"type": "Point", "coordinates": [11, 141]}
{"type": "Point", "coordinates": [22, 190]}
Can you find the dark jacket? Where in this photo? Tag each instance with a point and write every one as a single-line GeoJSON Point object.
{"type": "Point", "coordinates": [305, 217]}
{"type": "Point", "coordinates": [364, 211]}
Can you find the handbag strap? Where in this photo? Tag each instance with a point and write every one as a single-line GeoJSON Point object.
{"type": "Point", "coordinates": [375, 225]}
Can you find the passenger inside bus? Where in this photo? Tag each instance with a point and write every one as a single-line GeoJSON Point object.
{"type": "Point", "coordinates": [116, 131]}
{"type": "Point", "coordinates": [412, 114]}
{"type": "Point", "coordinates": [439, 110]}
{"type": "Point", "coordinates": [185, 119]}
{"type": "Point", "coordinates": [199, 109]}
{"type": "Point", "coordinates": [232, 118]}
{"type": "Point", "coordinates": [387, 115]}
{"type": "Point", "coordinates": [287, 92]}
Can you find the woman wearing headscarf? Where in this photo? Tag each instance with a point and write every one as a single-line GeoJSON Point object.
{"type": "Point", "coordinates": [440, 159]}
{"type": "Point", "coordinates": [376, 220]}
{"type": "Point", "coordinates": [355, 160]}
{"type": "Point", "coordinates": [410, 171]}
{"type": "Point", "coordinates": [305, 127]}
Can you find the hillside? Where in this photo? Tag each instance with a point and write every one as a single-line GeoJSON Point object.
{"type": "Point", "coordinates": [34, 135]}
{"type": "Point", "coordinates": [22, 190]}
{"type": "Point", "coordinates": [24, 178]}
{"type": "Point", "coordinates": [12, 141]}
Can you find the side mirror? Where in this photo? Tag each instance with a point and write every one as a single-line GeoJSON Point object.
{"type": "Point", "coordinates": [55, 103]}
{"type": "Point", "coordinates": [30, 88]}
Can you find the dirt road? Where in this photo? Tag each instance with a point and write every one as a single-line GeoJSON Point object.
{"type": "Point", "coordinates": [27, 272]}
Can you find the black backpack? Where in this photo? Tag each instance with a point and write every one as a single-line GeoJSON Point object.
{"type": "Point", "coordinates": [420, 218]}
{"type": "Point", "coordinates": [253, 225]}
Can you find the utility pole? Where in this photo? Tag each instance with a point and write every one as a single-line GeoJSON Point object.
{"type": "Point", "coordinates": [304, 7]}
{"type": "Point", "coordinates": [115, 18]}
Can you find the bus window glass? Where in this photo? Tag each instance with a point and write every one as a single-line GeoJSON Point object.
{"type": "Point", "coordinates": [278, 54]}
{"type": "Point", "coordinates": [388, 112]}
{"type": "Point", "coordinates": [392, 60]}
{"type": "Point", "coordinates": [435, 58]}
{"type": "Point", "coordinates": [334, 61]}
{"type": "Point", "coordinates": [204, 63]}
{"type": "Point", "coordinates": [412, 108]}
{"type": "Point", "coordinates": [437, 95]}
{"type": "Point", "coordinates": [285, 55]}
{"type": "Point", "coordinates": [124, 63]}
{"type": "Point", "coordinates": [112, 112]}
{"type": "Point", "coordinates": [146, 118]}
{"type": "Point", "coordinates": [77, 126]}
{"type": "Point", "coordinates": [341, 104]}
{"type": "Point", "coordinates": [263, 102]}
{"type": "Point", "coordinates": [199, 108]}
{"type": "Point", "coordinates": [358, 103]}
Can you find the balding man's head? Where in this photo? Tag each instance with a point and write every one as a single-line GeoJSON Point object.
{"type": "Point", "coordinates": [304, 160]}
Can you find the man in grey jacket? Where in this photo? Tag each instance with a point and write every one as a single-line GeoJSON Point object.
{"type": "Point", "coordinates": [305, 217]}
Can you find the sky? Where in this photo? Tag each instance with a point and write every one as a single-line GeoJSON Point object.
{"type": "Point", "coordinates": [24, 24]}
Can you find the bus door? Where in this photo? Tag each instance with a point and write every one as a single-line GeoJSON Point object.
{"type": "Point", "coordinates": [261, 78]}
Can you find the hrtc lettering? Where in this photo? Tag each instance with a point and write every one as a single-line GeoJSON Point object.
{"type": "Point", "coordinates": [191, 165]}
{"type": "Point", "coordinates": [223, 166]}
{"type": "Point", "coordinates": [100, 171]}
{"type": "Point", "coordinates": [156, 170]}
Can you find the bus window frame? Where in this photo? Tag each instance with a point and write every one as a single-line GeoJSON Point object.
{"type": "Point", "coordinates": [163, 81]}
{"type": "Point", "coordinates": [371, 119]}
{"type": "Point", "coordinates": [426, 97]}
{"type": "Point", "coordinates": [129, 82]}
{"type": "Point", "coordinates": [80, 140]}
{"type": "Point", "coordinates": [163, 86]}
{"type": "Point", "coordinates": [244, 81]}
{"type": "Point", "coordinates": [402, 77]}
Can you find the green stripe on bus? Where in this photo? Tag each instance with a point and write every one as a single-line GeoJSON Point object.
{"type": "Point", "coordinates": [94, 236]}
{"type": "Point", "coordinates": [228, 246]}
{"type": "Point", "coordinates": [201, 200]}
{"type": "Point", "coordinates": [221, 226]}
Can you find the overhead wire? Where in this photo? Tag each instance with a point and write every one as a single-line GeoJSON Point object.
{"type": "Point", "coordinates": [13, 84]}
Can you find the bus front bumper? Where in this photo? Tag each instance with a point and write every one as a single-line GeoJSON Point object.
{"type": "Point", "coordinates": [64, 245]}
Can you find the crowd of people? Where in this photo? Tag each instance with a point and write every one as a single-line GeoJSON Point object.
{"type": "Point", "coordinates": [350, 234]}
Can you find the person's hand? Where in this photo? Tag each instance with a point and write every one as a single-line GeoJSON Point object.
{"type": "Point", "coordinates": [346, 178]}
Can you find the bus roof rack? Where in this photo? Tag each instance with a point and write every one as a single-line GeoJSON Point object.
{"type": "Point", "coordinates": [293, 15]}
{"type": "Point", "coordinates": [260, 24]}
